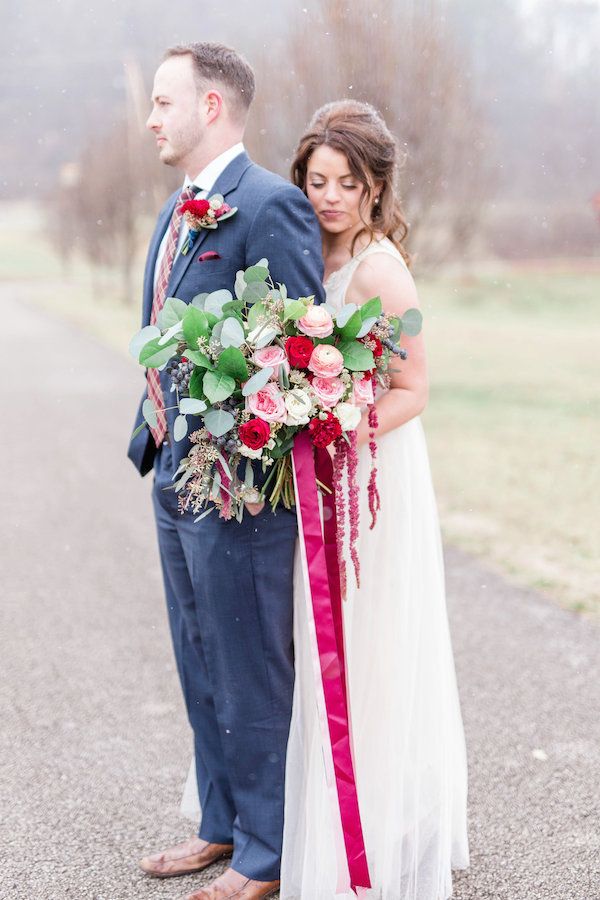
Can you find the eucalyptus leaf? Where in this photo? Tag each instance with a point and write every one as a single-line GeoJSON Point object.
{"type": "Point", "coordinates": [191, 406]}
{"type": "Point", "coordinates": [357, 357]}
{"type": "Point", "coordinates": [371, 308]}
{"type": "Point", "coordinates": [232, 362]}
{"type": "Point", "coordinates": [265, 337]}
{"type": "Point", "coordinates": [412, 322]}
{"type": "Point", "coordinates": [353, 325]}
{"type": "Point", "coordinates": [141, 338]}
{"type": "Point", "coordinates": [225, 465]}
{"type": "Point", "coordinates": [195, 386]}
{"type": "Point", "coordinates": [217, 386]}
{"type": "Point", "coordinates": [149, 413]}
{"type": "Point", "coordinates": [153, 354]}
{"type": "Point", "coordinates": [171, 332]}
{"type": "Point", "coordinates": [198, 300]}
{"type": "Point", "coordinates": [198, 358]}
{"type": "Point", "coordinates": [173, 310]}
{"type": "Point", "coordinates": [249, 474]}
{"type": "Point", "coordinates": [180, 428]}
{"type": "Point", "coordinates": [282, 290]}
{"type": "Point", "coordinates": [218, 422]}
{"type": "Point", "coordinates": [214, 302]}
{"type": "Point", "coordinates": [240, 285]}
{"type": "Point", "coordinates": [294, 310]}
{"type": "Point", "coordinates": [258, 381]}
{"type": "Point", "coordinates": [203, 515]}
{"type": "Point", "coordinates": [345, 313]}
{"type": "Point", "coordinates": [216, 485]}
{"type": "Point", "coordinates": [366, 326]}
{"type": "Point", "coordinates": [254, 313]}
{"type": "Point", "coordinates": [232, 334]}
{"type": "Point", "coordinates": [256, 273]}
{"type": "Point", "coordinates": [255, 291]}
{"type": "Point", "coordinates": [195, 325]}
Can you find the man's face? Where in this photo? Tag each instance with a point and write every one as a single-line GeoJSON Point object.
{"type": "Point", "coordinates": [176, 111]}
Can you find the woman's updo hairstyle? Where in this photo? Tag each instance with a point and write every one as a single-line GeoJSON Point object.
{"type": "Point", "coordinates": [359, 131]}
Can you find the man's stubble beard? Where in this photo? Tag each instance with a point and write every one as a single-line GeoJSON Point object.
{"type": "Point", "coordinates": [186, 142]}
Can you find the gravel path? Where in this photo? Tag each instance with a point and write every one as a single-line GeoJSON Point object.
{"type": "Point", "coordinates": [94, 743]}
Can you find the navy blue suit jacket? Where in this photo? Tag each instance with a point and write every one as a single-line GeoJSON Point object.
{"type": "Point", "coordinates": [274, 221]}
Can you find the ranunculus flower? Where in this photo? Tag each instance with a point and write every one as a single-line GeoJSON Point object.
{"type": "Point", "coordinates": [316, 322]}
{"type": "Point", "coordinates": [328, 390]}
{"type": "Point", "coordinates": [362, 392]}
{"type": "Point", "coordinates": [268, 403]}
{"type": "Point", "coordinates": [299, 351]}
{"type": "Point", "coordinates": [349, 416]}
{"type": "Point", "coordinates": [273, 356]}
{"type": "Point", "coordinates": [198, 208]}
{"type": "Point", "coordinates": [324, 431]}
{"type": "Point", "coordinates": [326, 361]}
{"type": "Point", "coordinates": [222, 210]}
{"type": "Point", "coordinates": [254, 433]}
{"type": "Point", "coordinates": [298, 405]}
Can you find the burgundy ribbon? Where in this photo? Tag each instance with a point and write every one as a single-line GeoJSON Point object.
{"type": "Point", "coordinates": [320, 548]}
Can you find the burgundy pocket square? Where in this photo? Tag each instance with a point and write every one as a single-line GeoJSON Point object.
{"type": "Point", "coordinates": [210, 254]}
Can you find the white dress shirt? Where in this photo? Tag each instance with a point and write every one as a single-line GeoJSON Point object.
{"type": "Point", "coordinates": [205, 181]}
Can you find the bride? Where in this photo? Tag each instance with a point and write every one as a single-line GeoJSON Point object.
{"type": "Point", "coordinates": [409, 750]}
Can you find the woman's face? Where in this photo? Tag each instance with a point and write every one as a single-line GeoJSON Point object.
{"type": "Point", "coordinates": [334, 192]}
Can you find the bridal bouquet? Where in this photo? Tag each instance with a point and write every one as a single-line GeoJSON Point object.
{"type": "Point", "coordinates": [256, 368]}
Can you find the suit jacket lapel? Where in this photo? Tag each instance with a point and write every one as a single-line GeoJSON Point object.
{"type": "Point", "coordinates": [161, 226]}
{"type": "Point", "coordinates": [227, 182]}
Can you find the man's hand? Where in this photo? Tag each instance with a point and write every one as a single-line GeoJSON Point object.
{"type": "Point", "coordinates": [254, 508]}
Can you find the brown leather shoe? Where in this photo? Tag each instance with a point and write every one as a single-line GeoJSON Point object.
{"type": "Point", "coordinates": [183, 859]}
{"type": "Point", "coordinates": [231, 885]}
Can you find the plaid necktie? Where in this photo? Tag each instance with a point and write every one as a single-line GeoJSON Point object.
{"type": "Point", "coordinates": [160, 295]}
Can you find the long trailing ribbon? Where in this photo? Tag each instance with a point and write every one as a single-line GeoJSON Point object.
{"type": "Point", "coordinates": [324, 610]}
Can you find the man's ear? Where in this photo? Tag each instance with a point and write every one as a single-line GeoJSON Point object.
{"type": "Point", "coordinates": [213, 104]}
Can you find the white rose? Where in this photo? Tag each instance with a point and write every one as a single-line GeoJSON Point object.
{"type": "Point", "coordinates": [298, 405]}
{"type": "Point", "coordinates": [349, 415]}
{"type": "Point", "coordinates": [252, 454]}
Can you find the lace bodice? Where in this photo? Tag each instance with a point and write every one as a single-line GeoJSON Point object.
{"type": "Point", "coordinates": [337, 283]}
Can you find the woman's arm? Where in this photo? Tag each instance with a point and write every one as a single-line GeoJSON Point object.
{"type": "Point", "coordinates": [383, 276]}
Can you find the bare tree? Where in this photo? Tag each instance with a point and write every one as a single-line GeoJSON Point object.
{"type": "Point", "coordinates": [402, 58]}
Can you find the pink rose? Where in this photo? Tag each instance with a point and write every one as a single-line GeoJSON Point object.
{"type": "Point", "coordinates": [362, 393]}
{"type": "Point", "coordinates": [272, 356]}
{"type": "Point", "coordinates": [268, 404]}
{"type": "Point", "coordinates": [316, 322]}
{"type": "Point", "coordinates": [326, 361]}
{"type": "Point", "coordinates": [328, 390]}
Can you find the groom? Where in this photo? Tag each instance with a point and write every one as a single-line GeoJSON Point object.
{"type": "Point", "coordinates": [228, 584]}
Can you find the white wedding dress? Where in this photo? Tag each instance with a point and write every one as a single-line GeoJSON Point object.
{"type": "Point", "coordinates": [409, 749]}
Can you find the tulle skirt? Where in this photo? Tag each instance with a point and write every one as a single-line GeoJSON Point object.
{"type": "Point", "coordinates": [409, 748]}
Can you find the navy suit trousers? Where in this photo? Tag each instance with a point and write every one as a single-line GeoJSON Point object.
{"type": "Point", "coordinates": [232, 627]}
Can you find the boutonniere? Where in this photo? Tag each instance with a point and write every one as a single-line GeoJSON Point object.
{"type": "Point", "coordinates": [200, 214]}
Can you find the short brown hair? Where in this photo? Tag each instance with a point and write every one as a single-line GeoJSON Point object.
{"type": "Point", "coordinates": [218, 64]}
{"type": "Point", "coordinates": [359, 131]}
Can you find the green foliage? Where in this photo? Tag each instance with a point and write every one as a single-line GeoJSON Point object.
{"type": "Point", "coordinates": [357, 357]}
{"type": "Point", "coordinates": [232, 362]}
{"type": "Point", "coordinates": [217, 386]}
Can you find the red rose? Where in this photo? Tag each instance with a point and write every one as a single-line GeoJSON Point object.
{"type": "Point", "coordinates": [254, 433]}
{"type": "Point", "coordinates": [299, 351]}
{"type": "Point", "coordinates": [197, 208]}
{"type": "Point", "coordinates": [324, 431]}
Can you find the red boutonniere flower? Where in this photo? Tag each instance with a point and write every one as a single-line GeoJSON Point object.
{"type": "Point", "coordinates": [207, 213]}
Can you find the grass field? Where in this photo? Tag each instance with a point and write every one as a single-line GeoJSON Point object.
{"type": "Point", "coordinates": [513, 421]}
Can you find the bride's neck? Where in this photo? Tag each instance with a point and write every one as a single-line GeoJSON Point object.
{"type": "Point", "coordinates": [338, 245]}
